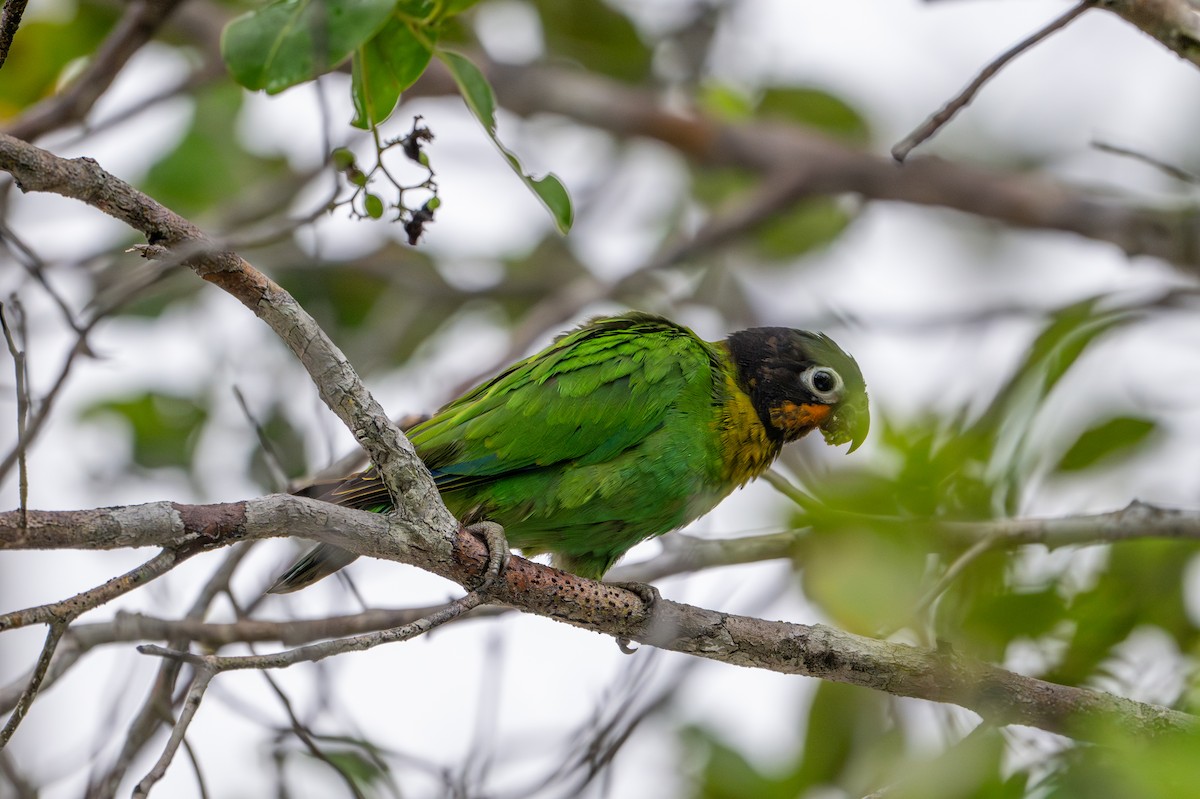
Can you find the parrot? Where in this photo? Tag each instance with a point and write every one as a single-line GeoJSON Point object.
{"type": "Point", "coordinates": [624, 429]}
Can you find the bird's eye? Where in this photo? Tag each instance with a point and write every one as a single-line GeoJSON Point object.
{"type": "Point", "coordinates": [823, 382]}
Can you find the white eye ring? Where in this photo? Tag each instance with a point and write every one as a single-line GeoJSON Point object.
{"type": "Point", "coordinates": [823, 382]}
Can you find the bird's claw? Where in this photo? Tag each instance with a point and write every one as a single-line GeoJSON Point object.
{"type": "Point", "coordinates": [499, 554]}
{"type": "Point", "coordinates": [650, 597]}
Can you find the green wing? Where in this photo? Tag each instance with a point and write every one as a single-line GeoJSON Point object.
{"type": "Point", "coordinates": [592, 395]}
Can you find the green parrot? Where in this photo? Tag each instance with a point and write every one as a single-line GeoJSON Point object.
{"type": "Point", "coordinates": [624, 429]}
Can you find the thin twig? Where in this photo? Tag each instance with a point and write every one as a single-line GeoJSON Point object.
{"type": "Point", "coordinates": [150, 717]}
{"type": "Point", "coordinates": [960, 101]}
{"type": "Point", "coordinates": [199, 772]}
{"type": "Point", "coordinates": [36, 268]}
{"type": "Point", "coordinates": [271, 458]}
{"type": "Point", "coordinates": [1171, 170]}
{"type": "Point", "coordinates": [315, 652]}
{"type": "Point", "coordinates": [141, 20]}
{"type": "Point", "coordinates": [789, 490]}
{"type": "Point", "coordinates": [298, 727]}
{"type": "Point", "coordinates": [65, 656]}
{"type": "Point", "coordinates": [306, 737]}
{"type": "Point", "coordinates": [763, 204]}
{"type": "Point", "coordinates": [53, 636]}
{"type": "Point", "coordinates": [954, 570]}
{"type": "Point", "coordinates": [69, 609]}
{"type": "Point", "coordinates": [191, 704]}
{"type": "Point", "coordinates": [22, 391]}
{"type": "Point", "coordinates": [81, 347]}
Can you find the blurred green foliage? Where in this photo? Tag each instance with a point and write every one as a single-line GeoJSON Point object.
{"type": "Point", "coordinates": [204, 171]}
{"type": "Point", "coordinates": [873, 544]}
{"type": "Point", "coordinates": [163, 427]}
{"type": "Point", "coordinates": [872, 547]}
{"type": "Point", "coordinates": [283, 451]}
{"type": "Point", "coordinates": [48, 50]}
{"type": "Point", "coordinates": [595, 36]}
{"type": "Point", "coordinates": [806, 225]}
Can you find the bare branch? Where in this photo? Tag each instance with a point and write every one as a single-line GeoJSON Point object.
{"type": "Point", "coordinates": [961, 100]}
{"type": "Point", "coordinates": [683, 554]}
{"type": "Point", "coordinates": [1020, 200]}
{"type": "Point", "coordinates": [22, 391]}
{"type": "Point", "coordinates": [37, 270]}
{"type": "Point", "coordinates": [777, 192]}
{"type": "Point", "coordinates": [811, 650]}
{"type": "Point", "coordinates": [1171, 170]}
{"type": "Point", "coordinates": [337, 383]}
{"type": "Point", "coordinates": [10, 21]}
{"type": "Point", "coordinates": [325, 649]}
{"type": "Point", "coordinates": [141, 20]}
{"type": "Point", "coordinates": [140, 627]}
{"type": "Point", "coordinates": [69, 609]}
{"type": "Point", "coordinates": [307, 739]}
{"type": "Point", "coordinates": [161, 697]}
{"type": "Point", "coordinates": [1174, 23]}
{"type": "Point", "coordinates": [191, 704]}
{"type": "Point", "coordinates": [53, 635]}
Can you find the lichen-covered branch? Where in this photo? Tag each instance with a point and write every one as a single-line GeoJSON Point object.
{"type": "Point", "coordinates": [810, 650]}
{"type": "Point", "coordinates": [83, 179]}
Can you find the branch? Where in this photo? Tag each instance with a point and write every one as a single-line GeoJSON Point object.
{"type": "Point", "coordinates": [811, 650]}
{"type": "Point", "coordinates": [831, 167]}
{"type": "Point", "coordinates": [152, 715]}
{"type": "Point", "coordinates": [314, 652]}
{"type": "Point", "coordinates": [10, 21]}
{"type": "Point", "coordinates": [191, 704]}
{"type": "Point", "coordinates": [141, 20]}
{"type": "Point", "coordinates": [69, 609]}
{"type": "Point", "coordinates": [416, 496]}
{"type": "Point", "coordinates": [36, 680]}
{"type": "Point", "coordinates": [961, 100]}
{"type": "Point", "coordinates": [1174, 23]}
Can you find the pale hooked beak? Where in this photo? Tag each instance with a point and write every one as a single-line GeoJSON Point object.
{"type": "Point", "coordinates": [849, 423]}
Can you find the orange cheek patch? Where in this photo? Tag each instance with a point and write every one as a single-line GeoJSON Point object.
{"type": "Point", "coordinates": [796, 420]}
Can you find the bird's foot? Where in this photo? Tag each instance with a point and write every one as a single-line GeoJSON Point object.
{"type": "Point", "coordinates": [650, 597]}
{"type": "Point", "coordinates": [492, 534]}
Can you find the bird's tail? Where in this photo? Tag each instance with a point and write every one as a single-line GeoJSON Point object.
{"type": "Point", "coordinates": [363, 490]}
{"type": "Point", "coordinates": [318, 563]}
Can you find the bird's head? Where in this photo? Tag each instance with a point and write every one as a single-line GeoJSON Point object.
{"type": "Point", "coordinates": [799, 381]}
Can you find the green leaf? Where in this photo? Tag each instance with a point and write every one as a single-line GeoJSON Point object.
{"type": "Point", "coordinates": [385, 66]}
{"type": "Point", "coordinates": [163, 427]}
{"type": "Point", "coordinates": [373, 206]}
{"type": "Point", "coordinates": [847, 726]}
{"type": "Point", "coordinates": [803, 227]}
{"type": "Point", "coordinates": [477, 94]}
{"type": "Point", "coordinates": [863, 579]}
{"type": "Point", "coordinates": [286, 450]}
{"type": "Point", "coordinates": [292, 41]}
{"type": "Point", "coordinates": [355, 765]}
{"type": "Point", "coordinates": [596, 36]}
{"type": "Point", "coordinates": [1120, 601]}
{"type": "Point", "coordinates": [1099, 442]}
{"type": "Point", "coordinates": [452, 7]}
{"type": "Point", "coordinates": [817, 109]}
{"type": "Point", "coordinates": [342, 159]}
{"type": "Point", "coordinates": [724, 101]}
{"type": "Point", "coordinates": [44, 49]}
{"type": "Point", "coordinates": [727, 774]}
{"type": "Point", "coordinates": [208, 167]}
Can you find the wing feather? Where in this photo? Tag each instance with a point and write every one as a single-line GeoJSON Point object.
{"type": "Point", "coordinates": [593, 394]}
